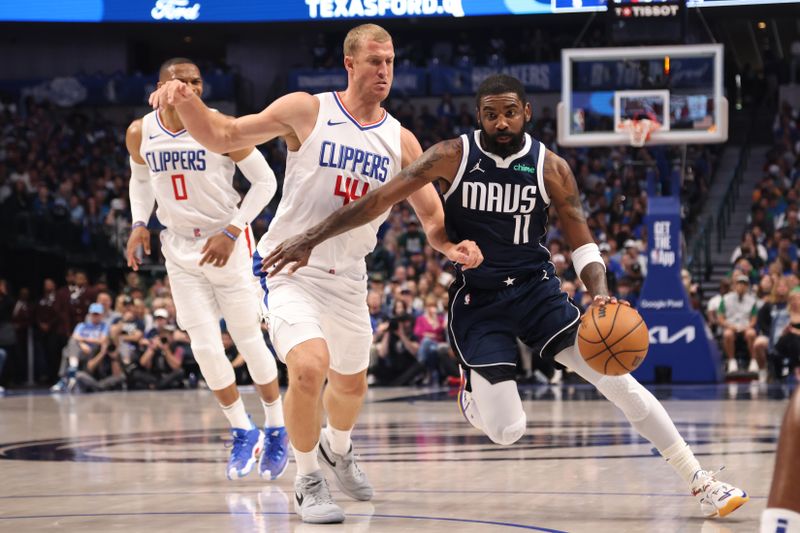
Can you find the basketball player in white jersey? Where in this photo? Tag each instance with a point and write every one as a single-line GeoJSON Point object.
{"type": "Point", "coordinates": [207, 246]}
{"type": "Point", "coordinates": [341, 144]}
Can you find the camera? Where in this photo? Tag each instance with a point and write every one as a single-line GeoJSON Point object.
{"type": "Point", "coordinates": [393, 324]}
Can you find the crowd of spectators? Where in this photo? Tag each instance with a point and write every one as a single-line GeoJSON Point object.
{"type": "Point", "coordinates": [757, 310]}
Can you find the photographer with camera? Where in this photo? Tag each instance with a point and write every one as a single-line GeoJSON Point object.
{"type": "Point", "coordinates": [397, 363]}
{"type": "Point", "coordinates": [158, 367]}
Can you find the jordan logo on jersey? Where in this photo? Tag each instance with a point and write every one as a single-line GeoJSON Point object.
{"type": "Point", "coordinates": [477, 167]}
{"type": "Point", "coordinates": [498, 198]}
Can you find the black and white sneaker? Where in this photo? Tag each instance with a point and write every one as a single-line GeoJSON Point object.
{"type": "Point", "coordinates": [350, 478]}
{"type": "Point", "coordinates": [313, 502]}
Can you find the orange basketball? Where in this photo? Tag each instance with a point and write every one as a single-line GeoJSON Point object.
{"type": "Point", "coordinates": [613, 339]}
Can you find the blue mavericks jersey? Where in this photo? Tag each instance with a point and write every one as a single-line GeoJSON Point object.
{"type": "Point", "coordinates": [501, 204]}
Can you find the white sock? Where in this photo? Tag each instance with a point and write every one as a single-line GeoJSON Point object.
{"type": "Point", "coordinates": [774, 519]}
{"type": "Point", "coordinates": [273, 413]}
{"type": "Point", "coordinates": [236, 415]}
{"type": "Point", "coordinates": [306, 461]}
{"type": "Point", "coordinates": [681, 458]}
{"type": "Point", "coordinates": [338, 439]}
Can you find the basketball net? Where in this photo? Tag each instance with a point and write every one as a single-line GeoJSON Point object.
{"type": "Point", "coordinates": [639, 130]}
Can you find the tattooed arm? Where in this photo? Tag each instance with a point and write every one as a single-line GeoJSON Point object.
{"type": "Point", "coordinates": [441, 161]}
{"type": "Point", "coordinates": [565, 197]}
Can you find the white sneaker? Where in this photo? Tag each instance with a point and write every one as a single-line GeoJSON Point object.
{"type": "Point", "coordinates": [762, 375]}
{"type": "Point", "coordinates": [733, 366]}
{"type": "Point", "coordinates": [753, 366]}
{"type": "Point", "coordinates": [558, 375]}
{"type": "Point", "coordinates": [716, 497]}
{"type": "Point", "coordinates": [313, 502]}
{"type": "Point", "coordinates": [349, 476]}
{"type": "Point", "coordinates": [467, 407]}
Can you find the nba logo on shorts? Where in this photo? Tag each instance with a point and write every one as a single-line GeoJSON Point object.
{"type": "Point", "coordinates": [466, 299]}
{"type": "Point", "coordinates": [196, 232]}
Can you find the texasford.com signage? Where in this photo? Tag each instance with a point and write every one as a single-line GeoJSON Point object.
{"type": "Point", "coordinates": [329, 9]}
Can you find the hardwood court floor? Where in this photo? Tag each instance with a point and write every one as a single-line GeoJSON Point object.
{"type": "Point", "coordinates": [147, 462]}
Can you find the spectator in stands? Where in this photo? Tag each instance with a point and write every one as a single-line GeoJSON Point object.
{"type": "Point", "coordinates": [22, 319]}
{"type": "Point", "coordinates": [88, 343]}
{"type": "Point", "coordinates": [764, 290]}
{"type": "Point", "coordinates": [158, 367]}
{"type": "Point", "coordinates": [771, 322]}
{"type": "Point", "coordinates": [754, 252]}
{"type": "Point", "coordinates": [397, 363]}
{"type": "Point", "coordinates": [692, 290]}
{"type": "Point", "coordinates": [412, 241]}
{"type": "Point", "coordinates": [737, 317]}
{"type": "Point", "coordinates": [712, 307]}
{"type": "Point", "coordinates": [127, 335]}
{"type": "Point", "coordinates": [429, 328]}
{"type": "Point", "coordinates": [47, 341]}
{"type": "Point", "coordinates": [73, 300]}
{"type": "Point", "coordinates": [788, 346]}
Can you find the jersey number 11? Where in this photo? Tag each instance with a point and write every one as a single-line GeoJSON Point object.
{"type": "Point", "coordinates": [522, 224]}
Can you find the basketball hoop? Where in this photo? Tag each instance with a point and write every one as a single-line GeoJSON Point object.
{"type": "Point", "coordinates": [639, 129]}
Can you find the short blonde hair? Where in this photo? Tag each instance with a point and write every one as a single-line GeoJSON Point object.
{"type": "Point", "coordinates": [365, 31]}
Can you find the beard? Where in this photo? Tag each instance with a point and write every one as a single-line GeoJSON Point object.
{"type": "Point", "coordinates": [506, 148]}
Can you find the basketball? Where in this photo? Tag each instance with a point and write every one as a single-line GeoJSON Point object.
{"type": "Point", "coordinates": [613, 339]}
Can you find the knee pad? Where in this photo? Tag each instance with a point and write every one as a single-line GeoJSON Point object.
{"type": "Point", "coordinates": [260, 362]}
{"type": "Point", "coordinates": [497, 408]}
{"type": "Point", "coordinates": [216, 369]}
{"type": "Point", "coordinates": [627, 394]}
{"type": "Point", "coordinates": [206, 341]}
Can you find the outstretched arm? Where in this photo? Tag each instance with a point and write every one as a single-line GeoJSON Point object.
{"type": "Point", "coordinates": [565, 197]}
{"type": "Point", "coordinates": [428, 207]}
{"type": "Point", "coordinates": [439, 161]}
{"type": "Point", "coordinates": [291, 116]}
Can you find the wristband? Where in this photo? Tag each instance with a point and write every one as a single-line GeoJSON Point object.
{"type": "Point", "coordinates": [138, 224]}
{"type": "Point", "coordinates": [228, 234]}
{"type": "Point", "coordinates": [583, 255]}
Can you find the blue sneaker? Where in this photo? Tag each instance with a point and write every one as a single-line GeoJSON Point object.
{"type": "Point", "coordinates": [276, 453]}
{"type": "Point", "coordinates": [247, 446]}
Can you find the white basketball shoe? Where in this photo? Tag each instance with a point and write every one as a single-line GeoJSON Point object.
{"type": "Point", "coordinates": [717, 498]}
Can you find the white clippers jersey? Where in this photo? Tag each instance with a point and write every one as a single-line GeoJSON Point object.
{"type": "Point", "coordinates": [339, 162]}
{"type": "Point", "coordinates": [193, 186]}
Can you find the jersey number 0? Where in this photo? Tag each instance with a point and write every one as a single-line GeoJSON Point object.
{"type": "Point", "coordinates": [179, 187]}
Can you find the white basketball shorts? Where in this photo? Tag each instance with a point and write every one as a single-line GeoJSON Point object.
{"type": "Point", "coordinates": [203, 294]}
{"type": "Point", "coordinates": [312, 303]}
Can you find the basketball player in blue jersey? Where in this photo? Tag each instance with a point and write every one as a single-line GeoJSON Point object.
{"type": "Point", "coordinates": [341, 145]}
{"type": "Point", "coordinates": [207, 247]}
{"type": "Point", "coordinates": [499, 184]}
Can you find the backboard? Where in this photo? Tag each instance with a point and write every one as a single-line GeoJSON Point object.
{"type": "Point", "coordinates": [680, 87]}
